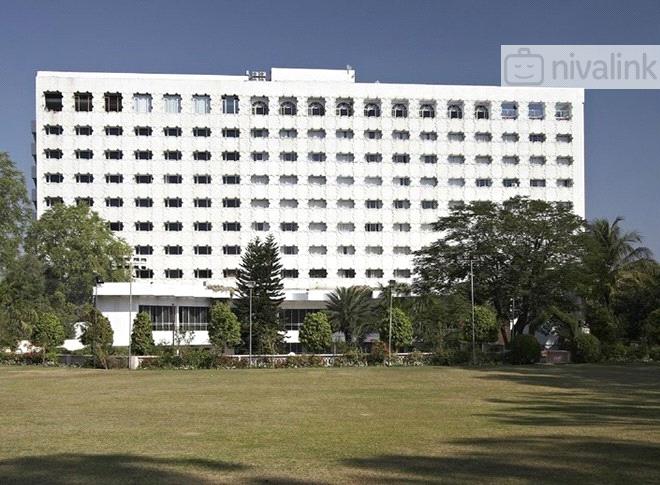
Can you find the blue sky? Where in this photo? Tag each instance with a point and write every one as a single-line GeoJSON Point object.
{"type": "Point", "coordinates": [441, 42]}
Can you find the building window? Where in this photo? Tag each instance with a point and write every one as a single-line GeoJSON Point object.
{"type": "Point", "coordinates": [114, 154]}
{"type": "Point", "coordinates": [316, 134]}
{"type": "Point", "coordinates": [317, 203]}
{"type": "Point", "coordinates": [537, 137]}
{"type": "Point", "coordinates": [228, 132]}
{"type": "Point", "coordinates": [400, 135]}
{"type": "Point", "coordinates": [345, 204]}
{"type": "Point", "coordinates": [172, 131]}
{"type": "Point", "coordinates": [173, 250]}
{"type": "Point", "coordinates": [511, 182]}
{"type": "Point", "coordinates": [564, 160]}
{"type": "Point", "coordinates": [143, 155]}
{"type": "Point", "coordinates": [259, 179]}
{"type": "Point", "coordinates": [483, 159]}
{"type": "Point", "coordinates": [202, 179]}
{"type": "Point", "coordinates": [346, 273]}
{"type": "Point", "coordinates": [288, 179]}
{"type": "Point", "coordinates": [401, 204]}
{"type": "Point", "coordinates": [114, 131]}
{"type": "Point", "coordinates": [260, 226]}
{"type": "Point", "coordinates": [288, 156]}
{"type": "Point", "coordinates": [83, 130]}
{"type": "Point", "coordinates": [201, 104]}
{"type": "Point", "coordinates": [201, 274]}
{"type": "Point", "coordinates": [428, 135]}
{"type": "Point", "coordinates": [144, 250]}
{"type": "Point", "coordinates": [144, 202]}
{"type": "Point", "coordinates": [510, 160]}
{"type": "Point", "coordinates": [537, 183]}
{"type": "Point", "coordinates": [373, 134]}
{"type": "Point", "coordinates": [318, 273]}
{"type": "Point", "coordinates": [203, 132]}
{"type": "Point", "coordinates": [484, 182]}
{"type": "Point", "coordinates": [289, 250]}
{"type": "Point", "coordinates": [316, 108]}
{"type": "Point", "coordinates": [373, 273]}
{"type": "Point", "coordinates": [483, 137]}
{"type": "Point", "coordinates": [288, 108]}
{"type": "Point", "coordinates": [173, 202]}
{"type": "Point", "coordinates": [259, 107]}
{"type": "Point", "coordinates": [402, 273]}
{"type": "Point", "coordinates": [230, 273]}
{"type": "Point", "coordinates": [509, 110]}
{"type": "Point", "coordinates": [143, 130]}
{"type": "Point", "coordinates": [537, 160]}
{"type": "Point", "coordinates": [345, 227]}
{"type": "Point", "coordinates": [316, 180]}
{"type": "Point", "coordinates": [231, 226]}
{"type": "Point", "coordinates": [84, 154]}
{"type": "Point", "coordinates": [142, 103]}
{"type": "Point", "coordinates": [456, 182]}
{"type": "Point", "coordinates": [194, 318]}
{"type": "Point", "coordinates": [344, 134]}
{"type": "Point", "coordinates": [231, 202]}
{"type": "Point", "coordinates": [373, 157]}
{"type": "Point", "coordinates": [202, 226]}
{"type": "Point", "coordinates": [536, 111]}
{"type": "Point", "coordinates": [373, 227]}
{"type": "Point", "coordinates": [316, 157]}
{"type": "Point", "coordinates": [456, 159]}
{"type": "Point", "coordinates": [345, 180]}
{"type": "Point", "coordinates": [373, 204]}
{"type": "Point", "coordinates": [143, 179]}
{"type": "Point", "coordinates": [289, 226]}
{"type": "Point", "coordinates": [173, 273]}
{"type": "Point", "coordinates": [54, 178]}
{"type": "Point", "coordinates": [144, 226]}
{"type": "Point", "coordinates": [426, 110]}
{"type": "Point", "coordinates": [231, 250]}
{"type": "Point", "coordinates": [84, 178]}
{"type": "Point", "coordinates": [172, 155]}
{"type": "Point", "coordinates": [53, 201]}
{"type": "Point", "coordinates": [259, 133]}
{"type": "Point", "coordinates": [289, 273]}
{"type": "Point", "coordinates": [401, 181]}
{"type": "Point", "coordinates": [172, 179]}
{"type": "Point", "coordinates": [203, 250]}
{"type": "Point", "coordinates": [563, 111]}
{"type": "Point", "coordinates": [401, 227]}
{"type": "Point", "coordinates": [345, 157]}
{"type": "Point", "coordinates": [82, 101]}
{"type": "Point", "coordinates": [510, 137]}
{"type": "Point", "coordinates": [113, 102]}
{"type": "Point", "coordinates": [373, 250]}
{"type": "Point", "coordinates": [53, 153]}
{"type": "Point", "coordinates": [400, 158]}
{"type": "Point", "coordinates": [53, 100]}
{"type": "Point", "coordinates": [172, 103]}
{"type": "Point", "coordinates": [372, 109]}
{"type": "Point", "coordinates": [116, 226]}
{"type": "Point", "coordinates": [230, 105]}
{"type": "Point", "coordinates": [428, 181]}
{"type": "Point", "coordinates": [54, 129]}
{"type": "Point", "coordinates": [202, 156]}
{"type": "Point", "coordinates": [344, 108]}
{"type": "Point", "coordinates": [229, 156]}
{"type": "Point", "coordinates": [455, 136]}
{"type": "Point", "coordinates": [288, 133]}
{"type": "Point", "coordinates": [318, 227]}
{"type": "Point", "coordinates": [399, 110]}
{"type": "Point", "coordinates": [564, 182]}
{"type": "Point", "coordinates": [289, 203]}
{"type": "Point", "coordinates": [429, 204]}
{"type": "Point", "coordinates": [455, 111]}
{"type": "Point", "coordinates": [114, 178]}
{"type": "Point", "coordinates": [564, 138]}
{"type": "Point", "coordinates": [481, 112]}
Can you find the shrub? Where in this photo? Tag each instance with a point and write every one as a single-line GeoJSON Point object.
{"type": "Point", "coordinates": [450, 356]}
{"type": "Point", "coordinates": [616, 352]}
{"type": "Point", "coordinates": [654, 353]}
{"type": "Point", "coordinates": [378, 353]}
{"type": "Point", "coordinates": [486, 328]}
{"type": "Point", "coordinates": [415, 358]}
{"type": "Point", "coordinates": [224, 328]}
{"type": "Point", "coordinates": [351, 358]}
{"type": "Point", "coordinates": [586, 348]}
{"type": "Point", "coordinates": [402, 329]}
{"type": "Point", "coordinates": [316, 332]}
{"type": "Point", "coordinates": [142, 340]}
{"type": "Point", "coordinates": [525, 349]}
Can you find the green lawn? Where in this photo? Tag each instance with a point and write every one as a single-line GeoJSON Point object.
{"type": "Point", "coordinates": [541, 424]}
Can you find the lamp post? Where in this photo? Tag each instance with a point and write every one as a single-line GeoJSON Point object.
{"type": "Point", "coordinates": [97, 281]}
{"type": "Point", "coordinates": [474, 354]}
{"type": "Point", "coordinates": [391, 284]}
{"type": "Point", "coordinates": [250, 285]}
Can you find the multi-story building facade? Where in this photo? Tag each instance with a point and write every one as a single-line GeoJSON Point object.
{"type": "Point", "coordinates": [347, 176]}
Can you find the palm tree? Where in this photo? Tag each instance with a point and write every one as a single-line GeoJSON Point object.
{"type": "Point", "coordinates": [351, 311]}
{"type": "Point", "coordinates": [614, 255]}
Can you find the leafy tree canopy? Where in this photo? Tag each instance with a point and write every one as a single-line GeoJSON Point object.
{"type": "Point", "coordinates": [142, 339]}
{"type": "Point", "coordinates": [351, 311]}
{"type": "Point", "coordinates": [224, 327]}
{"type": "Point", "coordinates": [402, 329]}
{"type": "Point", "coordinates": [316, 332]}
{"type": "Point", "coordinates": [15, 211]}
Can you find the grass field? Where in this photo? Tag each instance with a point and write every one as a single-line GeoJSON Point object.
{"type": "Point", "coordinates": [540, 424]}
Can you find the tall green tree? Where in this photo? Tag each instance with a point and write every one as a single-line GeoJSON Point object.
{"type": "Point", "coordinates": [316, 332]}
{"type": "Point", "coordinates": [352, 311]}
{"type": "Point", "coordinates": [261, 265]}
{"type": "Point", "coordinates": [525, 249]}
{"type": "Point", "coordinates": [142, 337]}
{"type": "Point", "coordinates": [97, 333]}
{"type": "Point", "coordinates": [402, 329]}
{"type": "Point", "coordinates": [224, 327]}
{"type": "Point", "coordinates": [15, 211]}
{"type": "Point", "coordinates": [47, 333]}
{"type": "Point", "coordinates": [74, 243]}
{"type": "Point", "coordinates": [486, 328]}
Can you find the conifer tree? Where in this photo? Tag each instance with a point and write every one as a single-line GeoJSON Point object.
{"type": "Point", "coordinates": [142, 339]}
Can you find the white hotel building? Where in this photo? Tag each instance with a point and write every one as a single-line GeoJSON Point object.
{"type": "Point", "coordinates": [347, 176]}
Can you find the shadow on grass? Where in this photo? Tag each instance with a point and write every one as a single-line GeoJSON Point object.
{"type": "Point", "coordinates": [580, 395]}
{"type": "Point", "coordinates": [110, 469]}
{"type": "Point", "coordinates": [534, 459]}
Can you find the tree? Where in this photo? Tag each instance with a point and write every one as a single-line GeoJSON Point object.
{"type": "Point", "coordinates": [402, 329]}
{"type": "Point", "coordinates": [224, 328]}
{"type": "Point", "coordinates": [485, 325]}
{"type": "Point", "coordinates": [525, 249]}
{"type": "Point", "coordinates": [261, 265]}
{"type": "Point", "coordinates": [142, 339]}
{"type": "Point", "coordinates": [15, 211]}
{"type": "Point", "coordinates": [316, 332]}
{"type": "Point", "coordinates": [47, 333]}
{"type": "Point", "coordinates": [73, 243]}
{"type": "Point", "coordinates": [351, 311]}
{"type": "Point", "coordinates": [97, 333]}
